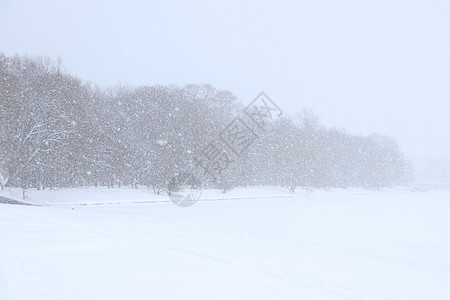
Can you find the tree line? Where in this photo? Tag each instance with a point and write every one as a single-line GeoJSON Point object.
{"type": "Point", "coordinates": [58, 131]}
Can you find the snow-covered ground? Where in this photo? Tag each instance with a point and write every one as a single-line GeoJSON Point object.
{"type": "Point", "coordinates": [130, 244]}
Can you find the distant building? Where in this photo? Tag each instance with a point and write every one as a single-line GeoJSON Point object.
{"type": "Point", "coordinates": [432, 170]}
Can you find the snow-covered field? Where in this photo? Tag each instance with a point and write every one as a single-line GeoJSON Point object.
{"type": "Point", "coordinates": [130, 244]}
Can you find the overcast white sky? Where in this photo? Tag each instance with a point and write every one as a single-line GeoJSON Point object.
{"type": "Point", "coordinates": [366, 66]}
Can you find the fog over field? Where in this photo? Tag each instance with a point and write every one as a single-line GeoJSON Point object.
{"type": "Point", "coordinates": [224, 150]}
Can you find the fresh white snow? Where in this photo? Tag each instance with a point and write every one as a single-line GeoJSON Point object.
{"type": "Point", "coordinates": [254, 243]}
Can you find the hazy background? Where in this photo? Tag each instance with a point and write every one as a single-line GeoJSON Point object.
{"type": "Point", "coordinates": [382, 66]}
